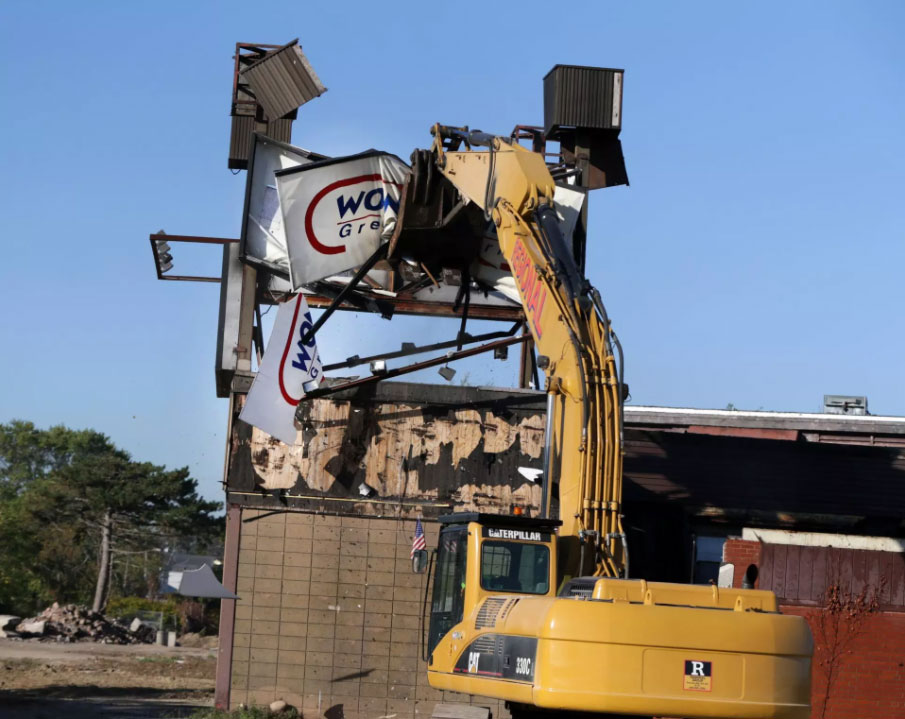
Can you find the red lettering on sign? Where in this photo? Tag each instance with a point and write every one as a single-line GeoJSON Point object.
{"type": "Point", "coordinates": [289, 399]}
{"type": "Point", "coordinates": [309, 214]}
{"type": "Point", "coordinates": [531, 287]}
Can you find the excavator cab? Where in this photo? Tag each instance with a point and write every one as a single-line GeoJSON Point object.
{"type": "Point", "coordinates": [486, 555]}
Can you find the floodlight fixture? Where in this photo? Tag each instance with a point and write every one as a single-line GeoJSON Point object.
{"type": "Point", "coordinates": [163, 254]}
{"type": "Point", "coordinates": [501, 353]}
{"type": "Point", "coordinates": [378, 367]}
{"type": "Point", "coordinates": [447, 373]}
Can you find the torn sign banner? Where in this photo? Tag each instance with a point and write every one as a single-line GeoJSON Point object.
{"type": "Point", "coordinates": [263, 241]}
{"type": "Point", "coordinates": [288, 370]}
{"type": "Point", "coordinates": [336, 213]}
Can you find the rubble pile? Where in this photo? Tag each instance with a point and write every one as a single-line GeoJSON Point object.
{"type": "Point", "coordinates": [8, 624]}
{"type": "Point", "coordinates": [74, 623]}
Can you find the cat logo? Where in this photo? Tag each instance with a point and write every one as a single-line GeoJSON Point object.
{"type": "Point", "coordinates": [474, 659]}
{"type": "Point", "coordinates": [698, 676]}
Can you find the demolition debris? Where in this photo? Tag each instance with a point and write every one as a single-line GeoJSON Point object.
{"type": "Point", "coordinates": [74, 623]}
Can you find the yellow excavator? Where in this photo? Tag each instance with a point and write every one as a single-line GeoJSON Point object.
{"type": "Point", "coordinates": [539, 611]}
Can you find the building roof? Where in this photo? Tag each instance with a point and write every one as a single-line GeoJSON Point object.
{"type": "Point", "coordinates": [797, 421]}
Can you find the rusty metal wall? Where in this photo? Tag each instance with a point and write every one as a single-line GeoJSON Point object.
{"type": "Point", "coordinates": [801, 575]}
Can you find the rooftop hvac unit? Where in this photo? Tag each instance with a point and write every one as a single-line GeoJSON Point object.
{"type": "Point", "coordinates": [585, 97]}
{"type": "Point", "coordinates": [583, 112]}
{"type": "Point", "coordinates": [844, 404]}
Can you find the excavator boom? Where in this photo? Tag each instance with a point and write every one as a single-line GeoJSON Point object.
{"type": "Point", "coordinates": [512, 187]}
{"type": "Point", "coordinates": [539, 611]}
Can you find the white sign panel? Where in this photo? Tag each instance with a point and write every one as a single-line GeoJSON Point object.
{"type": "Point", "coordinates": [491, 268]}
{"type": "Point", "coordinates": [568, 201]}
{"type": "Point", "coordinates": [288, 366]}
{"type": "Point", "coordinates": [336, 213]}
{"type": "Point", "coordinates": [263, 239]}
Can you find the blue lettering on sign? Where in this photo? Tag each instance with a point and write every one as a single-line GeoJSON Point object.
{"type": "Point", "coordinates": [350, 205]}
{"type": "Point", "coordinates": [373, 200]}
{"type": "Point", "coordinates": [391, 203]}
{"type": "Point", "coordinates": [302, 358]}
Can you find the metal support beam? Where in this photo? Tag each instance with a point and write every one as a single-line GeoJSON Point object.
{"type": "Point", "coordinates": [345, 292]}
{"type": "Point", "coordinates": [527, 370]}
{"type": "Point", "coordinates": [450, 357]}
{"type": "Point", "coordinates": [356, 361]}
{"type": "Point", "coordinates": [246, 319]}
{"type": "Point", "coordinates": [583, 165]}
{"type": "Point", "coordinates": [228, 606]}
{"type": "Point", "coordinates": [163, 237]}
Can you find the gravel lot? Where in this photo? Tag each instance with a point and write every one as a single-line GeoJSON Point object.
{"type": "Point", "coordinates": [82, 681]}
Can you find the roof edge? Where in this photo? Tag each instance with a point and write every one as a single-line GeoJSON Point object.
{"type": "Point", "coordinates": [815, 421]}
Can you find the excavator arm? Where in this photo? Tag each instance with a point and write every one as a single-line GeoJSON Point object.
{"type": "Point", "coordinates": [513, 188]}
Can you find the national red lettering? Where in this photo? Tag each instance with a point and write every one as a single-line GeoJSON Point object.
{"type": "Point", "coordinates": [532, 289]}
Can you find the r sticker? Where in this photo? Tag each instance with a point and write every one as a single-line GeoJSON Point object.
{"type": "Point", "coordinates": [698, 676]}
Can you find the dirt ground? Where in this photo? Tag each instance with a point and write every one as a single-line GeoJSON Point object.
{"type": "Point", "coordinates": [81, 681]}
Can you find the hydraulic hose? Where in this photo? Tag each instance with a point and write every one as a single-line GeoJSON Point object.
{"type": "Point", "coordinates": [548, 455]}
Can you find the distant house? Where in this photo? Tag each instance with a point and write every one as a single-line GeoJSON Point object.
{"type": "Point", "coordinates": [192, 575]}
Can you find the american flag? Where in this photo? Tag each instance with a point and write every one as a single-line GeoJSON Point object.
{"type": "Point", "coordinates": [418, 542]}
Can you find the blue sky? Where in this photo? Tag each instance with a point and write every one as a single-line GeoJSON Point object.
{"type": "Point", "coordinates": [756, 258]}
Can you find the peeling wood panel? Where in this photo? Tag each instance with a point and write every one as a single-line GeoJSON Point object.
{"type": "Point", "coordinates": [465, 458]}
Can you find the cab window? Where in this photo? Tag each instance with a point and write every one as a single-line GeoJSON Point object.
{"type": "Point", "coordinates": [515, 567]}
{"type": "Point", "coordinates": [448, 601]}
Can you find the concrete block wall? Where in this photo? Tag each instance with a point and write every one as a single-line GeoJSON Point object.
{"type": "Point", "coordinates": [329, 617]}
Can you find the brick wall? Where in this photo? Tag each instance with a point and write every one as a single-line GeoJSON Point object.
{"type": "Point", "coordinates": [870, 679]}
{"type": "Point", "coordinates": [328, 617]}
{"type": "Point", "coordinates": [742, 553]}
